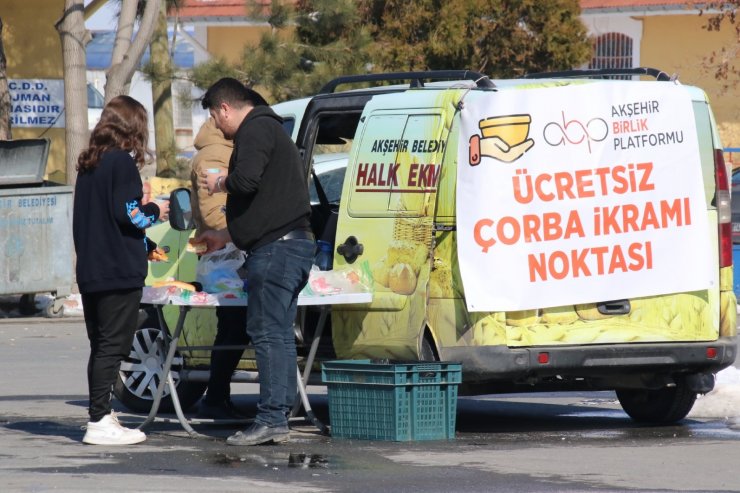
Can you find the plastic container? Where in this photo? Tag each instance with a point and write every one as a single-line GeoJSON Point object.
{"type": "Point", "coordinates": [392, 401]}
{"type": "Point", "coordinates": [324, 258]}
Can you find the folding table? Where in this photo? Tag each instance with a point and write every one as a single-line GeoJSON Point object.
{"type": "Point", "coordinates": [324, 302]}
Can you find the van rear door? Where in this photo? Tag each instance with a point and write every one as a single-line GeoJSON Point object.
{"type": "Point", "coordinates": [636, 217]}
{"type": "Point", "coordinates": [387, 207]}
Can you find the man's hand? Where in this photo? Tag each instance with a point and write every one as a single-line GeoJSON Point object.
{"type": "Point", "coordinates": [207, 181]}
{"type": "Point", "coordinates": [215, 240]}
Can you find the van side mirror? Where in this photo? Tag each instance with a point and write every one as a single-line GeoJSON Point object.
{"type": "Point", "coordinates": [181, 211]}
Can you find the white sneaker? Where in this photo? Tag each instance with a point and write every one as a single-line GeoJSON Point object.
{"type": "Point", "coordinates": [108, 431]}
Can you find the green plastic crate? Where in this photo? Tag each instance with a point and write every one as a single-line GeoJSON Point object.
{"type": "Point", "coordinates": [392, 401]}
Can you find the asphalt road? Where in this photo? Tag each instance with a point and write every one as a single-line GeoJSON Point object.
{"type": "Point", "coordinates": [533, 442]}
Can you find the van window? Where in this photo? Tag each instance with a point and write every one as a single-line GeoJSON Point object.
{"type": "Point", "coordinates": [397, 168]}
{"type": "Point", "coordinates": [447, 189]}
{"type": "Point", "coordinates": [420, 166]}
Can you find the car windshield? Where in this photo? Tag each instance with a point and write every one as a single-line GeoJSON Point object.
{"type": "Point", "coordinates": [329, 169]}
{"type": "Point", "coordinates": [331, 182]}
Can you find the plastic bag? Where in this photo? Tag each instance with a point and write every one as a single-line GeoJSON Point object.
{"type": "Point", "coordinates": [184, 297]}
{"type": "Point", "coordinates": [355, 279]}
{"type": "Point", "coordinates": [218, 271]}
{"type": "Point", "coordinates": [171, 294]}
{"type": "Point", "coordinates": [158, 296]}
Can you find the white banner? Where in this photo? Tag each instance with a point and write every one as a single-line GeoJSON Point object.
{"type": "Point", "coordinates": [36, 103]}
{"type": "Point", "coordinates": [578, 194]}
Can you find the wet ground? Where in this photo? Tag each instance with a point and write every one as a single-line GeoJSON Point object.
{"type": "Point", "coordinates": [522, 442]}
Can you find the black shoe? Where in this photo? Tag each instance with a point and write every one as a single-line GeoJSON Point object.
{"type": "Point", "coordinates": [223, 410]}
{"type": "Point", "coordinates": [258, 434]}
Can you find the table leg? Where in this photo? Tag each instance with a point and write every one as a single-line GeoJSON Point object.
{"type": "Point", "coordinates": [178, 409]}
{"type": "Point", "coordinates": [307, 406]}
{"type": "Point", "coordinates": [171, 347]}
{"type": "Point", "coordinates": [315, 343]}
{"type": "Point", "coordinates": [303, 380]}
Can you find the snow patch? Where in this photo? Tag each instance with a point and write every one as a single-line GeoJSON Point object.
{"type": "Point", "coordinates": [724, 401]}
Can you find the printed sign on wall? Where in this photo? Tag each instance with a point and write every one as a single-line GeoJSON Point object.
{"type": "Point", "coordinates": [36, 103]}
{"type": "Point", "coordinates": [580, 194]}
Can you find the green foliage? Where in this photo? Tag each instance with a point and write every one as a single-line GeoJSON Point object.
{"type": "Point", "coordinates": [502, 38]}
{"type": "Point", "coordinates": [277, 15]}
{"type": "Point", "coordinates": [157, 71]}
{"type": "Point", "coordinates": [327, 39]}
{"type": "Point", "coordinates": [207, 73]}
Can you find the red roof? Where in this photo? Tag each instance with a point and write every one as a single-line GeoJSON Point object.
{"type": "Point", "coordinates": [634, 4]}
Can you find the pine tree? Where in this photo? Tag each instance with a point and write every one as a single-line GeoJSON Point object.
{"type": "Point", "coordinates": [501, 38]}
{"type": "Point", "coordinates": [308, 44]}
{"type": "Point", "coordinates": [330, 38]}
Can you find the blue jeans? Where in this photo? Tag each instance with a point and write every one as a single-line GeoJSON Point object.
{"type": "Point", "coordinates": [276, 273]}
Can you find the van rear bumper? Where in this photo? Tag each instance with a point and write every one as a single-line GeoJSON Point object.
{"type": "Point", "coordinates": [523, 365]}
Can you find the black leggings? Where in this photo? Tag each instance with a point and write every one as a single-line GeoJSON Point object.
{"type": "Point", "coordinates": [111, 319]}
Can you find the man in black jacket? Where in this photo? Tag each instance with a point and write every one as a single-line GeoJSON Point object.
{"type": "Point", "coordinates": [267, 215]}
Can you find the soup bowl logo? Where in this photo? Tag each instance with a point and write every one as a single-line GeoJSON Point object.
{"type": "Point", "coordinates": [504, 138]}
{"type": "Point", "coordinates": [575, 132]}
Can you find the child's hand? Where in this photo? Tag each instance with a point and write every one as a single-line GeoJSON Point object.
{"type": "Point", "coordinates": [157, 255]}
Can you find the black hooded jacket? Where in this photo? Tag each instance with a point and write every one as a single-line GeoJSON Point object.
{"type": "Point", "coordinates": [108, 225]}
{"type": "Point", "coordinates": [267, 186]}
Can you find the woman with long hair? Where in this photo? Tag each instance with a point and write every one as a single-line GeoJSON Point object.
{"type": "Point", "coordinates": [108, 227]}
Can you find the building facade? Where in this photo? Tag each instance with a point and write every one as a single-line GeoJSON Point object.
{"type": "Point", "coordinates": [35, 73]}
{"type": "Point", "coordinates": [671, 36]}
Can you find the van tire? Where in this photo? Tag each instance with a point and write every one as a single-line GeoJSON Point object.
{"type": "Point", "coordinates": [138, 379]}
{"type": "Point", "coordinates": [662, 406]}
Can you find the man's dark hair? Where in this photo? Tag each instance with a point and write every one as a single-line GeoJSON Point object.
{"type": "Point", "coordinates": [231, 92]}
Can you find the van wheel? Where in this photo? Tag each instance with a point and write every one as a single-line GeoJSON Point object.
{"type": "Point", "coordinates": [142, 371]}
{"type": "Point", "coordinates": [662, 406]}
{"type": "Point", "coordinates": [427, 352]}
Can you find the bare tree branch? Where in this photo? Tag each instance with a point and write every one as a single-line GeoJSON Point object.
{"type": "Point", "coordinates": [124, 31]}
{"type": "Point", "coordinates": [119, 74]}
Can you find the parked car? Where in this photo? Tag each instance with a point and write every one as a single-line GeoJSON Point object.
{"type": "Point", "coordinates": [736, 231]}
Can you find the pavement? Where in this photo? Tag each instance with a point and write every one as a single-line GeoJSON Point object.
{"type": "Point", "coordinates": [502, 443]}
{"type": "Point", "coordinates": [10, 306]}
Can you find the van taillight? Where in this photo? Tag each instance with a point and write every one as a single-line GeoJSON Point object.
{"type": "Point", "coordinates": [724, 209]}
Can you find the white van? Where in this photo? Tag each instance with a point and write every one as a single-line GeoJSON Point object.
{"type": "Point", "coordinates": [554, 233]}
